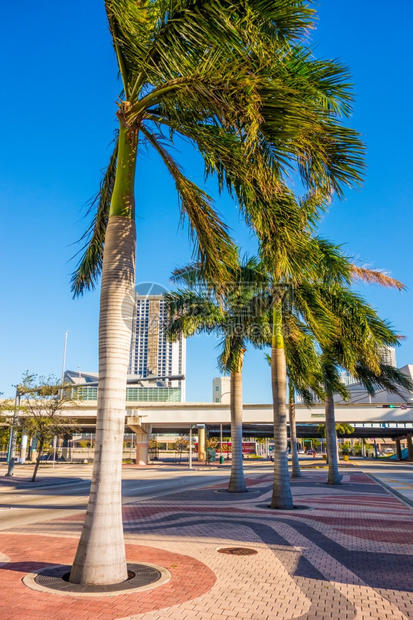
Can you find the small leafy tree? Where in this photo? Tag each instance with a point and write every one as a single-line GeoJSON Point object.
{"type": "Point", "coordinates": [83, 443]}
{"type": "Point", "coordinates": [4, 432]}
{"type": "Point", "coordinates": [40, 411]}
{"type": "Point", "coordinates": [341, 429]}
{"type": "Point", "coordinates": [315, 443]}
{"type": "Point", "coordinates": [182, 445]}
{"type": "Point", "coordinates": [346, 448]}
{"type": "Point", "coordinates": [212, 442]}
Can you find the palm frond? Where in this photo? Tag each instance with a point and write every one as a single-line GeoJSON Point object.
{"type": "Point", "coordinates": [209, 234]}
{"type": "Point", "coordinates": [388, 378]}
{"type": "Point", "coordinates": [375, 276]}
{"type": "Point", "coordinates": [191, 312]}
{"type": "Point", "coordinates": [332, 265]}
{"type": "Point", "coordinates": [89, 267]}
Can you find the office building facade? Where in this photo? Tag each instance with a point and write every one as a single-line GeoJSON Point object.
{"type": "Point", "coordinates": [388, 356]}
{"type": "Point", "coordinates": [221, 387]}
{"type": "Point", "coordinates": [151, 355]}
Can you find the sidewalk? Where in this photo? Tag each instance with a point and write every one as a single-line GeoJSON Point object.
{"type": "Point", "coordinates": [348, 555]}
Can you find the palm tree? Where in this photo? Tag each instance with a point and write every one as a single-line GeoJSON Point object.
{"type": "Point", "coordinates": [341, 428]}
{"type": "Point", "coordinates": [294, 260]}
{"type": "Point", "coordinates": [304, 378]}
{"type": "Point", "coordinates": [357, 347]}
{"type": "Point", "coordinates": [309, 270]}
{"type": "Point", "coordinates": [202, 307]}
{"type": "Point", "coordinates": [234, 80]}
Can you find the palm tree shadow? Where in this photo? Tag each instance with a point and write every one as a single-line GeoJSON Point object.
{"type": "Point", "coordinates": [25, 567]}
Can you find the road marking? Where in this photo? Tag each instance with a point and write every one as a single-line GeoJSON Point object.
{"type": "Point", "coordinates": [149, 486]}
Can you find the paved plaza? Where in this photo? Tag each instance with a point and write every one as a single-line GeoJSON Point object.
{"type": "Point", "coordinates": [344, 553]}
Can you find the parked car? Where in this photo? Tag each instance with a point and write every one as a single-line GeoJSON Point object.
{"type": "Point", "coordinates": [301, 452]}
{"type": "Point", "coordinates": [310, 452]}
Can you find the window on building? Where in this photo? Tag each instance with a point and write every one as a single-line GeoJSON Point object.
{"type": "Point", "coordinates": [216, 388]}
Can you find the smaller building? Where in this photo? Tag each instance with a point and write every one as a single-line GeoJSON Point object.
{"type": "Point", "coordinates": [359, 394]}
{"type": "Point", "coordinates": [221, 390]}
{"type": "Point", "coordinates": [152, 389]}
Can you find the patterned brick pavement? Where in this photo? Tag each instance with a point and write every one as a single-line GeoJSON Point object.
{"type": "Point", "coordinates": [347, 556]}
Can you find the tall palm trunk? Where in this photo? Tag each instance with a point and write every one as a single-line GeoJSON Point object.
{"type": "Point", "coordinates": [100, 557]}
{"type": "Point", "coordinates": [281, 495]}
{"type": "Point", "coordinates": [331, 437]}
{"type": "Point", "coordinates": [237, 480]}
{"type": "Point", "coordinates": [296, 473]}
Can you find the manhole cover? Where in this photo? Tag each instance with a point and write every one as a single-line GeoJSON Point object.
{"type": "Point", "coordinates": [237, 551]}
{"type": "Point", "coordinates": [56, 578]}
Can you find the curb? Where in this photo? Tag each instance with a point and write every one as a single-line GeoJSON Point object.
{"type": "Point", "coordinates": [33, 485]}
{"type": "Point", "coordinates": [388, 488]}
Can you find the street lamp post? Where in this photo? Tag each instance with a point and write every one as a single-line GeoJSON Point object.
{"type": "Point", "coordinates": [13, 434]}
{"type": "Point", "coordinates": [221, 456]}
{"type": "Point", "coordinates": [64, 357]}
{"type": "Point", "coordinates": [190, 447]}
{"type": "Point", "coordinates": [54, 449]}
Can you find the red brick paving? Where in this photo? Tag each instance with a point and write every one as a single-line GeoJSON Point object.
{"type": "Point", "coordinates": [190, 579]}
{"type": "Point", "coordinates": [347, 558]}
{"type": "Point", "coordinates": [395, 537]}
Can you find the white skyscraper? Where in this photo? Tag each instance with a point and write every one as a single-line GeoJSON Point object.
{"type": "Point", "coordinates": [389, 356]}
{"type": "Point", "coordinates": [151, 354]}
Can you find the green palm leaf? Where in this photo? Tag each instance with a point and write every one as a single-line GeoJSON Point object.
{"type": "Point", "coordinates": [207, 230]}
{"type": "Point", "coordinates": [88, 269]}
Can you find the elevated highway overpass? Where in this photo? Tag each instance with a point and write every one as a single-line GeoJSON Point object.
{"type": "Point", "coordinates": [368, 420]}
{"type": "Point", "coordinates": [143, 418]}
{"type": "Point", "coordinates": [181, 416]}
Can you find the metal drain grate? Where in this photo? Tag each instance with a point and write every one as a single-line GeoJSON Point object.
{"type": "Point", "coordinates": [57, 578]}
{"type": "Point", "coordinates": [237, 551]}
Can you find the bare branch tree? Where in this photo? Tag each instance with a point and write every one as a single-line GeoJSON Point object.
{"type": "Point", "coordinates": [41, 408]}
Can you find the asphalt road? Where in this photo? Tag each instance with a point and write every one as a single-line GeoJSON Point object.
{"type": "Point", "coordinates": [20, 507]}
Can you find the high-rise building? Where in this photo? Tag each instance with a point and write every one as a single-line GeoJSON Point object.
{"type": "Point", "coordinates": [151, 354]}
{"type": "Point", "coordinates": [347, 378]}
{"type": "Point", "coordinates": [388, 356]}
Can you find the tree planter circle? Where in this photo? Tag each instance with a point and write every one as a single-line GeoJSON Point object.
{"type": "Point", "coordinates": [55, 580]}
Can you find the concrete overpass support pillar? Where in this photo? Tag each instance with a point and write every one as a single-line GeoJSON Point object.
{"type": "Point", "coordinates": [409, 447]}
{"type": "Point", "coordinates": [142, 449]}
{"type": "Point", "coordinates": [142, 444]}
{"type": "Point", "coordinates": [398, 450]}
{"type": "Point", "coordinates": [201, 444]}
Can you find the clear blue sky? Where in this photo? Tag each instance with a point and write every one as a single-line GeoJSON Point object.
{"type": "Point", "coordinates": [57, 115]}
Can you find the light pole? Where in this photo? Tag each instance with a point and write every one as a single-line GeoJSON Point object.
{"type": "Point", "coordinates": [54, 449]}
{"type": "Point", "coordinates": [190, 446]}
{"type": "Point", "coordinates": [64, 357]}
{"type": "Point", "coordinates": [13, 434]}
{"type": "Point", "coordinates": [221, 457]}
